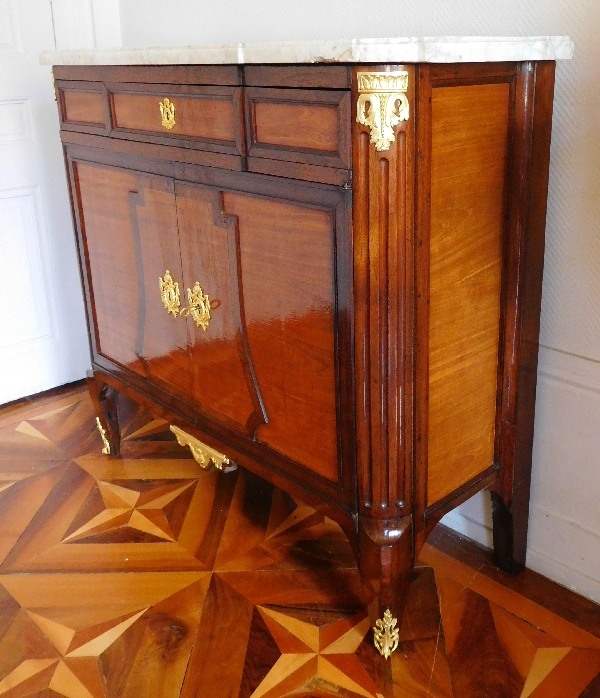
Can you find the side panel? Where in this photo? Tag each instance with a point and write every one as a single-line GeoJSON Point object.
{"type": "Point", "coordinates": [468, 169]}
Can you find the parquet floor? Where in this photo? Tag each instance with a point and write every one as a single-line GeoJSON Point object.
{"type": "Point", "coordinates": [148, 577]}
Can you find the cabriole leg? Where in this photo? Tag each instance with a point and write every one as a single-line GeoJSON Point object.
{"type": "Point", "coordinates": [386, 563]}
{"type": "Point", "coordinates": [104, 398]}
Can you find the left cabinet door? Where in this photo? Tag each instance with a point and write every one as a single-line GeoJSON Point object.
{"type": "Point", "coordinates": [128, 226]}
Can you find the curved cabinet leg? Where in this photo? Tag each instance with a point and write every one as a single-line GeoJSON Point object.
{"type": "Point", "coordinates": [503, 532]}
{"type": "Point", "coordinates": [385, 563]}
{"type": "Point", "coordinates": [104, 398]}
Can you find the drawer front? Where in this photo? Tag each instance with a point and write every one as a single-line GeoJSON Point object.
{"type": "Point", "coordinates": [82, 106]}
{"type": "Point", "coordinates": [303, 126]}
{"type": "Point", "coordinates": [208, 118]}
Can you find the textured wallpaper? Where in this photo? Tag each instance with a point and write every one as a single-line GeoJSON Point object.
{"type": "Point", "coordinates": [571, 304]}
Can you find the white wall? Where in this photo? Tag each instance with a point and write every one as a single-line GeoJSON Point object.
{"type": "Point", "coordinates": [565, 521]}
{"type": "Point", "coordinates": [86, 23]}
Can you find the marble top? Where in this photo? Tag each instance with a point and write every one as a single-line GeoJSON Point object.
{"type": "Point", "coordinates": [440, 49]}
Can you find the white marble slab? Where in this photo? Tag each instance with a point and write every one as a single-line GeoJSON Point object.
{"type": "Point", "coordinates": [441, 49]}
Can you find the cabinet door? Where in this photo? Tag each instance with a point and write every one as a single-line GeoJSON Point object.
{"type": "Point", "coordinates": [270, 265]}
{"type": "Point", "coordinates": [128, 223]}
{"type": "Point", "coordinates": [110, 252]}
{"type": "Point", "coordinates": [267, 363]}
{"type": "Point", "coordinates": [162, 341]}
{"type": "Point", "coordinates": [223, 383]}
{"type": "Point", "coordinates": [287, 256]}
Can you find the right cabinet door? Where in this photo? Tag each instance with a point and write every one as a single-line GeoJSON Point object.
{"type": "Point", "coordinates": [267, 363]}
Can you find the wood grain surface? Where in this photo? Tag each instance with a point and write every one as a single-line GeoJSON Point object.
{"type": "Point", "coordinates": [146, 575]}
{"type": "Point", "coordinates": [223, 379]}
{"type": "Point", "coordinates": [302, 126]}
{"type": "Point", "coordinates": [314, 127]}
{"type": "Point", "coordinates": [111, 256]}
{"type": "Point", "coordinates": [199, 117]}
{"type": "Point", "coordinates": [468, 169]}
{"type": "Point", "coordinates": [287, 263]}
{"type": "Point", "coordinates": [87, 107]}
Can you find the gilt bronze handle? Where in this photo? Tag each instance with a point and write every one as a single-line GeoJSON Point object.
{"type": "Point", "coordinates": [169, 293]}
{"type": "Point", "coordinates": [199, 304]}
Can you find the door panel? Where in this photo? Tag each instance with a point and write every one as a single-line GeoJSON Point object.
{"type": "Point", "coordinates": [223, 384]}
{"type": "Point", "coordinates": [129, 227]}
{"type": "Point", "coordinates": [265, 362]}
{"type": "Point", "coordinates": [162, 336]}
{"type": "Point", "coordinates": [110, 244]}
{"type": "Point", "coordinates": [287, 263]}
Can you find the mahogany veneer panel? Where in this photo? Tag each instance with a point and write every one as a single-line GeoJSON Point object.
{"type": "Point", "coordinates": [469, 137]}
{"type": "Point", "coordinates": [87, 107]}
{"type": "Point", "coordinates": [176, 74]}
{"type": "Point", "coordinates": [136, 149]}
{"type": "Point", "coordinates": [287, 275]}
{"type": "Point", "coordinates": [198, 117]}
{"type": "Point", "coordinates": [161, 337]}
{"type": "Point", "coordinates": [324, 76]}
{"type": "Point", "coordinates": [315, 127]}
{"type": "Point", "coordinates": [304, 126]}
{"type": "Point", "coordinates": [111, 255]}
{"type": "Point", "coordinates": [222, 373]}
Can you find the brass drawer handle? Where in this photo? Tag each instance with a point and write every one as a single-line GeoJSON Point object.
{"type": "Point", "coordinates": [167, 113]}
{"type": "Point", "coordinates": [204, 455]}
{"type": "Point", "coordinates": [199, 303]}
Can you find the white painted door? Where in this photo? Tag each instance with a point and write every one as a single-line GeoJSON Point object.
{"type": "Point", "coordinates": [43, 340]}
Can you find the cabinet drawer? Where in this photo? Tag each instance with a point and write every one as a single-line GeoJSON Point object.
{"type": "Point", "coordinates": [303, 126]}
{"type": "Point", "coordinates": [208, 118]}
{"type": "Point", "coordinates": [82, 106]}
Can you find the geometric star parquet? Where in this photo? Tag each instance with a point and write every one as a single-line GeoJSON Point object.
{"type": "Point", "coordinates": [148, 576]}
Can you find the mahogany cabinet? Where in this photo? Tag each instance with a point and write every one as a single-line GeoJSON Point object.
{"type": "Point", "coordinates": [329, 275]}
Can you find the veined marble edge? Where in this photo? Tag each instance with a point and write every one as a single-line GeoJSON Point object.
{"type": "Point", "coordinates": [449, 49]}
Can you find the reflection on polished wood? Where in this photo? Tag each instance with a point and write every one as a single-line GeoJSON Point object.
{"type": "Point", "coordinates": [149, 576]}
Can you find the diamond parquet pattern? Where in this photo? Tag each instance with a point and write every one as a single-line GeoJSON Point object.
{"type": "Point", "coordinates": [147, 575]}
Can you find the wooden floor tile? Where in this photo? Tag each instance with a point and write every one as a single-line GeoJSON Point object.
{"type": "Point", "coordinates": [147, 576]}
